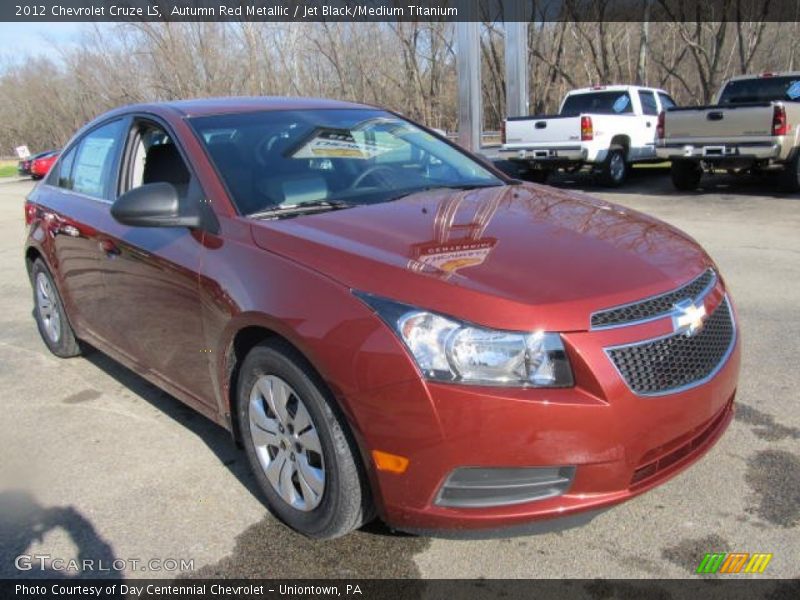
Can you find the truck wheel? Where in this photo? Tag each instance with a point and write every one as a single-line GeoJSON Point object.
{"type": "Point", "coordinates": [790, 176]}
{"type": "Point", "coordinates": [685, 174]}
{"type": "Point", "coordinates": [538, 175]}
{"type": "Point", "coordinates": [510, 168]}
{"type": "Point", "coordinates": [615, 169]}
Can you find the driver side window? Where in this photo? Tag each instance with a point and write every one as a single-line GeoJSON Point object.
{"type": "Point", "coordinates": [154, 157]}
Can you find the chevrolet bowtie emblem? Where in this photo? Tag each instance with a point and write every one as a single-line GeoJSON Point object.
{"type": "Point", "coordinates": [687, 317]}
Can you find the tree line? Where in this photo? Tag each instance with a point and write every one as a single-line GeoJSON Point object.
{"type": "Point", "coordinates": [408, 67]}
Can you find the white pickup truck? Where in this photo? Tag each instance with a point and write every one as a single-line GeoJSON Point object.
{"type": "Point", "coordinates": [753, 127]}
{"type": "Point", "coordinates": [606, 128]}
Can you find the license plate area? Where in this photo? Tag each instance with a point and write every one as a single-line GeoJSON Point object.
{"type": "Point", "coordinates": [711, 151]}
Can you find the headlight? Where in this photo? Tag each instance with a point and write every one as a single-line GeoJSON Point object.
{"type": "Point", "coordinates": [448, 350]}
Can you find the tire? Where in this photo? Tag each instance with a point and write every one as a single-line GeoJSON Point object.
{"type": "Point", "coordinates": [615, 169]}
{"type": "Point", "coordinates": [789, 178]}
{"type": "Point", "coordinates": [538, 175]}
{"type": "Point", "coordinates": [685, 175]}
{"type": "Point", "coordinates": [509, 167]}
{"type": "Point", "coordinates": [299, 445]}
{"type": "Point", "coordinates": [50, 314]}
{"type": "Point", "coordinates": [36, 177]}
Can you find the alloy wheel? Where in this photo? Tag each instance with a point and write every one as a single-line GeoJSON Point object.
{"type": "Point", "coordinates": [47, 305]}
{"type": "Point", "coordinates": [616, 167]}
{"type": "Point", "coordinates": [287, 443]}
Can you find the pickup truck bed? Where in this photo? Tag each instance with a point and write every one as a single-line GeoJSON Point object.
{"type": "Point", "coordinates": [733, 135]}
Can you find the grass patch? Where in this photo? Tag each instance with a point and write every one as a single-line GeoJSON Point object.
{"type": "Point", "coordinates": [8, 168]}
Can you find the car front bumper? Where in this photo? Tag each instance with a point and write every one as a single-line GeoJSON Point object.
{"type": "Point", "coordinates": [619, 443]}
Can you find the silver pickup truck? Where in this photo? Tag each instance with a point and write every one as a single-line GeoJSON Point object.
{"type": "Point", "coordinates": [753, 127]}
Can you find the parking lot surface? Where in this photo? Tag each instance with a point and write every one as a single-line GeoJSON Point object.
{"type": "Point", "coordinates": [99, 464]}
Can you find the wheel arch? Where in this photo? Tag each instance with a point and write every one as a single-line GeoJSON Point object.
{"type": "Point", "coordinates": [624, 142]}
{"type": "Point", "coordinates": [31, 254]}
{"type": "Point", "coordinates": [243, 339]}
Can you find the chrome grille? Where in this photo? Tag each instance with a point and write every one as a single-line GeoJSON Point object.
{"type": "Point", "coordinates": [677, 361]}
{"type": "Point", "coordinates": [651, 308]}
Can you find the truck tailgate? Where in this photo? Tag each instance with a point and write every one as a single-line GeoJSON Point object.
{"type": "Point", "coordinates": [532, 131]}
{"type": "Point", "coordinates": [729, 123]}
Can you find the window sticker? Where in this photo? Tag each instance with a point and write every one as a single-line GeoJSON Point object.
{"type": "Point", "coordinates": [793, 91]}
{"type": "Point", "coordinates": [621, 103]}
{"type": "Point", "coordinates": [332, 143]}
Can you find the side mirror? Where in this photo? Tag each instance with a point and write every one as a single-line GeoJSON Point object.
{"type": "Point", "coordinates": [153, 205]}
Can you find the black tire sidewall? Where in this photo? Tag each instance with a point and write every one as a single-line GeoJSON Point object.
{"type": "Point", "coordinates": [607, 177]}
{"type": "Point", "coordinates": [320, 521]}
{"type": "Point", "coordinates": [685, 175]}
{"type": "Point", "coordinates": [790, 178]}
{"type": "Point", "coordinates": [66, 345]}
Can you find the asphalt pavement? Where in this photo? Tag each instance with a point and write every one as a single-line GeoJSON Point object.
{"type": "Point", "coordinates": [99, 464]}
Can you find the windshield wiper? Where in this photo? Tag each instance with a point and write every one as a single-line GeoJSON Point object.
{"type": "Point", "coordinates": [452, 186]}
{"type": "Point", "coordinates": [277, 212]}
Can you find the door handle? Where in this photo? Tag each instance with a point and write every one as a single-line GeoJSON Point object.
{"type": "Point", "coordinates": [109, 248]}
{"type": "Point", "coordinates": [647, 123]}
{"type": "Point", "coordinates": [541, 124]}
{"type": "Point", "coordinates": [714, 116]}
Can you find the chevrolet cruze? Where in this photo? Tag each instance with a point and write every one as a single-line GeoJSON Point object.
{"type": "Point", "coordinates": [385, 323]}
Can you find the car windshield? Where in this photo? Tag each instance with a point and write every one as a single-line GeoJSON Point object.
{"type": "Point", "coordinates": [761, 89]}
{"type": "Point", "coordinates": [599, 103]}
{"type": "Point", "coordinates": [281, 161]}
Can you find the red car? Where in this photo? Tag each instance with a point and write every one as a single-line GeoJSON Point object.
{"type": "Point", "coordinates": [24, 165]}
{"type": "Point", "coordinates": [41, 166]}
{"type": "Point", "coordinates": [386, 323]}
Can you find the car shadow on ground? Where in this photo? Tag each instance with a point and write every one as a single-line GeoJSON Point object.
{"type": "Point", "coordinates": [656, 181]}
{"type": "Point", "coordinates": [217, 438]}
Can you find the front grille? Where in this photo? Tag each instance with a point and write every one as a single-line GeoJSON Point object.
{"type": "Point", "coordinates": [652, 307]}
{"type": "Point", "coordinates": [677, 361]}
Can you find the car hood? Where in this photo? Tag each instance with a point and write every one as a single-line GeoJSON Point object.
{"type": "Point", "coordinates": [515, 257]}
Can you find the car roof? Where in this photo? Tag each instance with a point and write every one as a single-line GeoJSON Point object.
{"type": "Point", "coordinates": [199, 107]}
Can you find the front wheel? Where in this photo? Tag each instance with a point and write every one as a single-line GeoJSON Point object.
{"type": "Point", "coordinates": [299, 445]}
{"type": "Point", "coordinates": [615, 169]}
{"type": "Point", "coordinates": [685, 175]}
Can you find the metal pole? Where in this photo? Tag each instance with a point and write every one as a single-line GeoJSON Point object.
{"type": "Point", "coordinates": [516, 63]}
{"type": "Point", "coordinates": [469, 84]}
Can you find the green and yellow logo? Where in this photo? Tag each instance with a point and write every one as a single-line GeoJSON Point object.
{"type": "Point", "coordinates": [734, 562]}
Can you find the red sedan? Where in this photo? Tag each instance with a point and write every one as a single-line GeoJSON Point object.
{"type": "Point", "coordinates": [41, 165]}
{"type": "Point", "coordinates": [384, 322]}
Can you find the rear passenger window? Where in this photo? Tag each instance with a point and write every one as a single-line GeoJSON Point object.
{"type": "Point", "coordinates": [61, 176]}
{"type": "Point", "coordinates": [95, 160]}
{"type": "Point", "coordinates": [666, 101]}
{"type": "Point", "coordinates": [648, 100]}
